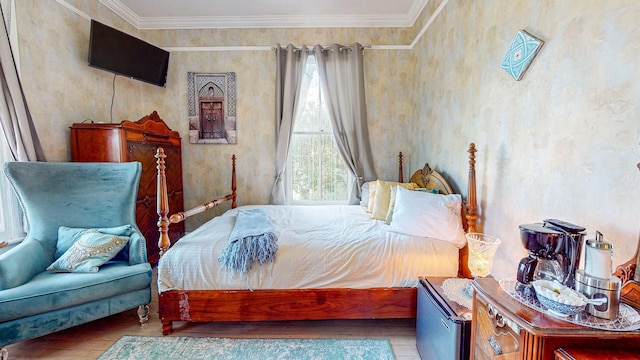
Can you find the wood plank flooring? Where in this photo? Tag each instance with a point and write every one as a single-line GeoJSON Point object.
{"type": "Point", "coordinates": [90, 340]}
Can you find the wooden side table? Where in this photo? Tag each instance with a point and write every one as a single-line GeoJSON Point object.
{"type": "Point", "coordinates": [503, 328]}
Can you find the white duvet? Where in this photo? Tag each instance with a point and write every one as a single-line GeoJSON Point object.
{"type": "Point", "coordinates": [319, 247]}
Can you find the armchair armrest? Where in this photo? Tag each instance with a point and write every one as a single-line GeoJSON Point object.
{"type": "Point", "coordinates": [23, 262]}
{"type": "Point", "coordinates": [137, 248]}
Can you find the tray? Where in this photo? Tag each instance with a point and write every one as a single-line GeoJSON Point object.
{"type": "Point", "coordinates": [628, 318]}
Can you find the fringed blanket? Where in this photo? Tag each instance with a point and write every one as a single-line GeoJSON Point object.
{"type": "Point", "coordinates": [253, 239]}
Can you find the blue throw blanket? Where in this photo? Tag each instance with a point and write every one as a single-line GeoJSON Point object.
{"type": "Point", "coordinates": [253, 239]}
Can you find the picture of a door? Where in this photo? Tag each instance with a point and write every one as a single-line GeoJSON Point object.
{"type": "Point", "coordinates": [212, 119]}
{"type": "Point", "coordinates": [212, 108]}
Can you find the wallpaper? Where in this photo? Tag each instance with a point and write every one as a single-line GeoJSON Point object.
{"type": "Point", "coordinates": [560, 143]}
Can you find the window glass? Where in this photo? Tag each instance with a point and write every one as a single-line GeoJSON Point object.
{"type": "Point", "coordinates": [10, 212]}
{"type": "Point", "coordinates": [317, 173]}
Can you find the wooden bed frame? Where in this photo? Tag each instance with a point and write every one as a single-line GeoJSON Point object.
{"type": "Point", "coordinates": [294, 304]}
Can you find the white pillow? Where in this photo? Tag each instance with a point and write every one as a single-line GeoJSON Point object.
{"type": "Point", "coordinates": [364, 195]}
{"type": "Point", "coordinates": [428, 215]}
{"type": "Point", "coordinates": [392, 201]}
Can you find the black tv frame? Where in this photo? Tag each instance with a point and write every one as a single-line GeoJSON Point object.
{"type": "Point", "coordinates": [120, 53]}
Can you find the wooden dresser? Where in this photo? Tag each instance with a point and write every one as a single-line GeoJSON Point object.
{"type": "Point", "coordinates": [137, 141]}
{"type": "Point", "coordinates": [503, 328]}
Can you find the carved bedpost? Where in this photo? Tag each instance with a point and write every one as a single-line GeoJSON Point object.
{"type": "Point", "coordinates": [233, 182]}
{"type": "Point", "coordinates": [471, 214]}
{"type": "Point", "coordinates": [162, 204]}
{"type": "Point", "coordinates": [472, 205]}
{"type": "Point", "coordinates": [400, 176]}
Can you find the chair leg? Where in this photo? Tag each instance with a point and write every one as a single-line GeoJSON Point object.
{"type": "Point", "coordinates": [143, 314]}
{"type": "Point", "coordinates": [4, 354]}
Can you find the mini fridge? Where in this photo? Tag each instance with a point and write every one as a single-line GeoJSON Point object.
{"type": "Point", "coordinates": [443, 327]}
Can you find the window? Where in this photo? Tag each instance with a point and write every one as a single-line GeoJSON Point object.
{"type": "Point", "coordinates": [317, 172]}
{"type": "Point", "coordinates": [10, 212]}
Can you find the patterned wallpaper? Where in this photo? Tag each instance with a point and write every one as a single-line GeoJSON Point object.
{"type": "Point", "coordinates": [562, 142]}
{"type": "Point", "coordinates": [62, 89]}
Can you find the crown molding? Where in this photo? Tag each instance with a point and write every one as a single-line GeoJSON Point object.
{"type": "Point", "coordinates": [123, 11]}
{"type": "Point", "coordinates": [268, 47]}
{"type": "Point", "coordinates": [255, 22]}
{"type": "Point", "coordinates": [223, 22]}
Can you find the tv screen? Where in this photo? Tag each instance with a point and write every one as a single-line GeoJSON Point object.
{"type": "Point", "coordinates": [115, 51]}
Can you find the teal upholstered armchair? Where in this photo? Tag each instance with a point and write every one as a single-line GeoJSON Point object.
{"type": "Point", "coordinates": [83, 257]}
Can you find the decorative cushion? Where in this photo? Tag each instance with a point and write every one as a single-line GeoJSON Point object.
{"type": "Point", "coordinates": [67, 236]}
{"type": "Point", "coordinates": [382, 197]}
{"type": "Point", "coordinates": [429, 215]}
{"type": "Point", "coordinates": [91, 250]}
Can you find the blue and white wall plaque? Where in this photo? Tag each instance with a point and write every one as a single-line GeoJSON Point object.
{"type": "Point", "coordinates": [520, 54]}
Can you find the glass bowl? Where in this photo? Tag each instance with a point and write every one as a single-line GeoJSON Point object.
{"type": "Point", "coordinates": [559, 299]}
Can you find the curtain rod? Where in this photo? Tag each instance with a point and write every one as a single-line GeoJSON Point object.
{"type": "Point", "coordinates": [328, 47]}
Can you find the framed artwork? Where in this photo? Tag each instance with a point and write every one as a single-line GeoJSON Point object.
{"type": "Point", "coordinates": [212, 108]}
{"type": "Point", "coordinates": [520, 54]}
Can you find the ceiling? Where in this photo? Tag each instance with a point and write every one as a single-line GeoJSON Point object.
{"type": "Point", "coordinates": [205, 14]}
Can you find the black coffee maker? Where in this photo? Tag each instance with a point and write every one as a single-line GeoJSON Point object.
{"type": "Point", "coordinates": [554, 252]}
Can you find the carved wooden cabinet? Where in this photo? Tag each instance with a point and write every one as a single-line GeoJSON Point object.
{"type": "Point", "coordinates": [137, 141]}
{"type": "Point", "coordinates": [503, 328]}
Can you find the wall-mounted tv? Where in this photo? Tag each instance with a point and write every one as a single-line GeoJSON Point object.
{"type": "Point", "coordinates": [118, 52]}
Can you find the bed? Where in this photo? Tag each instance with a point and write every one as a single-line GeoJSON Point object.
{"type": "Point", "coordinates": [333, 262]}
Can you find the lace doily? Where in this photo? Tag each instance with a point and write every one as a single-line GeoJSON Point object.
{"type": "Point", "coordinates": [459, 290]}
{"type": "Point", "coordinates": [628, 318]}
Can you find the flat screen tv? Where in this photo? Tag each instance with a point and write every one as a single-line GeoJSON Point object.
{"type": "Point", "coordinates": [118, 52]}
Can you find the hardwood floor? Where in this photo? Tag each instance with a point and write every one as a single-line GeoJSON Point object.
{"type": "Point", "coordinates": [90, 340]}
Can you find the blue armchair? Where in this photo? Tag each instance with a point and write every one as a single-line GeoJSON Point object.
{"type": "Point", "coordinates": [73, 206]}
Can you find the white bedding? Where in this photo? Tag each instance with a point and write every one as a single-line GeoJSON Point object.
{"type": "Point", "coordinates": [319, 247]}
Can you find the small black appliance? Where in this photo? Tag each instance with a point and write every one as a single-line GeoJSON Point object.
{"type": "Point", "coordinates": [554, 248]}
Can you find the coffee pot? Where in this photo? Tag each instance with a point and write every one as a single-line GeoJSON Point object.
{"type": "Point", "coordinates": [554, 248]}
{"type": "Point", "coordinates": [596, 280]}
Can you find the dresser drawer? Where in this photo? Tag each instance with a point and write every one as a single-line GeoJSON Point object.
{"type": "Point", "coordinates": [496, 337]}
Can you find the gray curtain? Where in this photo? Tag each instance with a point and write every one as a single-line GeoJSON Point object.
{"type": "Point", "coordinates": [16, 124]}
{"type": "Point", "coordinates": [16, 128]}
{"type": "Point", "coordinates": [290, 62]}
{"type": "Point", "coordinates": [342, 83]}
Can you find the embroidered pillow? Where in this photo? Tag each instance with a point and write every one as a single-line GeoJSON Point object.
{"type": "Point", "coordinates": [429, 215]}
{"type": "Point", "coordinates": [67, 236]}
{"type": "Point", "coordinates": [92, 249]}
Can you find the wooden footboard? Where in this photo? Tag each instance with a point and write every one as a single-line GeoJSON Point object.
{"type": "Point", "coordinates": [295, 304]}
{"type": "Point", "coordinates": [298, 304]}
